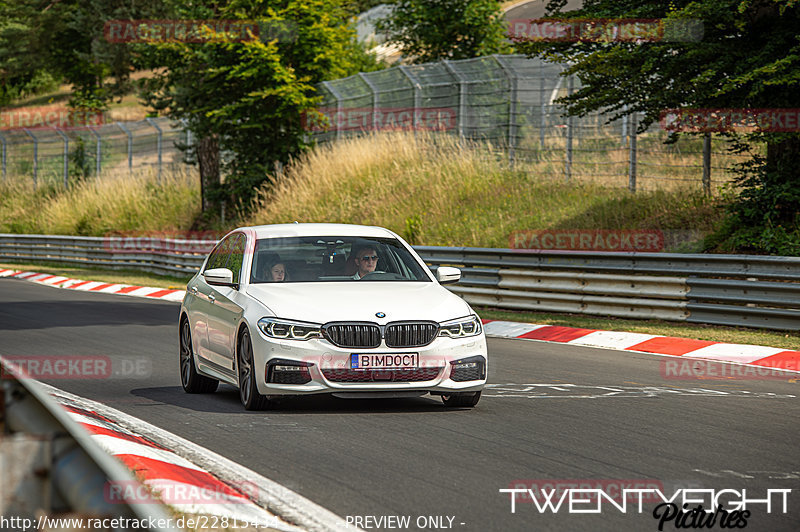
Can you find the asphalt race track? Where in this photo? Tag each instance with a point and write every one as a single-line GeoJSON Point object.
{"type": "Point", "coordinates": [553, 414]}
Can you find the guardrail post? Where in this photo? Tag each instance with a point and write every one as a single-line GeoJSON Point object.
{"type": "Point", "coordinates": [328, 85]}
{"type": "Point", "coordinates": [512, 108]}
{"type": "Point", "coordinates": [97, 155]}
{"type": "Point", "coordinates": [707, 164]}
{"type": "Point", "coordinates": [632, 156]}
{"type": "Point", "coordinates": [35, 155]}
{"type": "Point", "coordinates": [66, 156]}
{"type": "Point", "coordinates": [462, 96]}
{"type": "Point", "coordinates": [130, 145]}
{"type": "Point", "coordinates": [366, 80]}
{"type": "Point", "coordinates": [570, 125]}
{"type": "Point", "coordinates": [3, 140]}
{"type": "Point", "coordinates": [158, 143]}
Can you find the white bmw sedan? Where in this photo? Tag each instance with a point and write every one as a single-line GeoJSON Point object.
{"type": "Point", "coordinates": [327, 308]}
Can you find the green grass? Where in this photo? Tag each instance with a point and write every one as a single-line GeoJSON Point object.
{"type": "Point", "coordinates": [714, 333]}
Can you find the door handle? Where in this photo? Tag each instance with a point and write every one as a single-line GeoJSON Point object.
{"type": "Point", "coordinates": [211, 297]}
{"type": "Point", "coordinates": [193, 290]}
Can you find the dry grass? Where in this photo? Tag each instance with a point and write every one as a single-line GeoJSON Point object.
{"type": "Point", "coordinates": [114, 202]}
{"type": "Point", "coordinates": [436, 190]}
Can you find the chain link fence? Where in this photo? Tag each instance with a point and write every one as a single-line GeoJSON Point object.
{"type": "Point", "coordinates": [56, 155]}
{"type": "Point", "coordinates": [509, 100]}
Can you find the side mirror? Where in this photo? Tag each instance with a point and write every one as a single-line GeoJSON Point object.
{"type": "Point", "coordinates": [448, 274]}
{"type": "Point", "coordinates": [219, 276]}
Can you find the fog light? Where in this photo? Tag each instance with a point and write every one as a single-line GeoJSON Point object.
{"type": "Point", "coordinates": [468, 369]}
{"type": "Point", "coordinates": [288, 372]}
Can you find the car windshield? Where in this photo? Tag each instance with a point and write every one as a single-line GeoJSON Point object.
{"type": "Point", "coordinates": [333, 259]}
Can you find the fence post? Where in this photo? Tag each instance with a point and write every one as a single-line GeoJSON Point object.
{"type": "Point", "coordinates": [3, 140]}
{"type": "Point", "coordinates": [158, 143]}
{"type": "Point", "coordinates": [632, 157]}
{"type": "Point", "coordinates": [570, 125]}
{"type": "Point", "coordinates": [98, 154]}
{"type": "Point", "coordinates": [372, 88]}
{"type": "Point", "coordinates": [707, 164]}
{"type": "Point", "coordinates": [512, 108]}
{"type": "Point", "coordinates": [130, 144]}
{"type": "Point", "coordinates": [417, 96]}
{"type": "Point", "coordinates": [328, 85]}
{"type": "Point", "coordinates": [66, 156]}
{"type": "Point", "coordinates": [625, 118]}
{"type": "Point", "coordinates": [543, 118]}
{"type": "Point", "coordinates": [462, 96]}
{"type": "Point", "coordinates": [35, 155]}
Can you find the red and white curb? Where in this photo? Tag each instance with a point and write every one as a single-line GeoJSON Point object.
{"type": "Point", "coordinates": [751, 355]}
{"type": "Point", "coordinates": [95, 286]}
{"type": "Point", "coordinates": [180, 478]}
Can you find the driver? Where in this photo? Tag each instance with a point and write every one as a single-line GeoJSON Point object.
{"type": "Point", "coordinates": [366, 259]}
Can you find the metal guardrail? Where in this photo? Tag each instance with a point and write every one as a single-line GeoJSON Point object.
{"type": "Point", "coordinates": [737, 290]}
{"type": "Point", "coordinates": [53, 465]}
{"type": "Point", "coordinates": [160, 256]}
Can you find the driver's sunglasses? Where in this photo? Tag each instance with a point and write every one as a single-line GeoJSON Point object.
{"type": "Point", "coordinates": [369, 257]}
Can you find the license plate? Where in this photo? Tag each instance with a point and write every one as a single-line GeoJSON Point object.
{"type": "Point", "coordinates": [366, 361]}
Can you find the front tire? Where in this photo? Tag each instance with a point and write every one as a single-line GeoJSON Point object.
{"type": "Point", "coordinates": [466, 399]}
{"type": "Point", "coordinates": [191, 380]}
{"type": "Point", "coordinates": [248, 390]}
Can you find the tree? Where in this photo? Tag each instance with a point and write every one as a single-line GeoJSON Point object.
{"type": "Point", "coordinates": [430, 30]}
{"type": "Point", "coordinates": [748, 57]}
{"type": "Point", "coordinates": [246, 99]}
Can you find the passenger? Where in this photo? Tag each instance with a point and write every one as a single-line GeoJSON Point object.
{"type": "Point", "coordinates": [366, 260]}
{"type": "Point", "coordinates": [277, 273]}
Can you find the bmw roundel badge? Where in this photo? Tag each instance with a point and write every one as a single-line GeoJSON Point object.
{"type": "Point", "coordinates": [380, 314]}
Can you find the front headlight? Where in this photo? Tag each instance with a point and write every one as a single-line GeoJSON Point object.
{"type": "Point", "coordinates": [461, 327]}
{"type": "Point", "coordinates": [288, 329]}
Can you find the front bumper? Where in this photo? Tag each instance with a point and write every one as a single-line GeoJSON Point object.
{"type": "Point", "coordinates": [327, 367]}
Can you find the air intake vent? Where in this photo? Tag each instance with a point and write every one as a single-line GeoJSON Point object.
{"type": "Point", "coordinates": [352, 334]}
{"type": "Point", "coordinates": [411, 333]}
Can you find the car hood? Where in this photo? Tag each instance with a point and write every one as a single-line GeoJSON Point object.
{"type": "Point", "coordinates": [359, 301]}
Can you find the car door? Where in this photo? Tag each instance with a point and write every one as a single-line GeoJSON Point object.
{"type": "Point", "coordinates": [224, 312]}
{"type": "Point", "coordinates": [200, 305]}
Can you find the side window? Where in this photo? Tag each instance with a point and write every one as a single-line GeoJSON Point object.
{"type": "Point", "coordinates": [237, 256]}
{"type": "Point", "coordinates": [219, 257]}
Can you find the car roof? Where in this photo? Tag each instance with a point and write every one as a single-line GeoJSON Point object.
{"type": "Point", "coordinates": [318, 229]}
